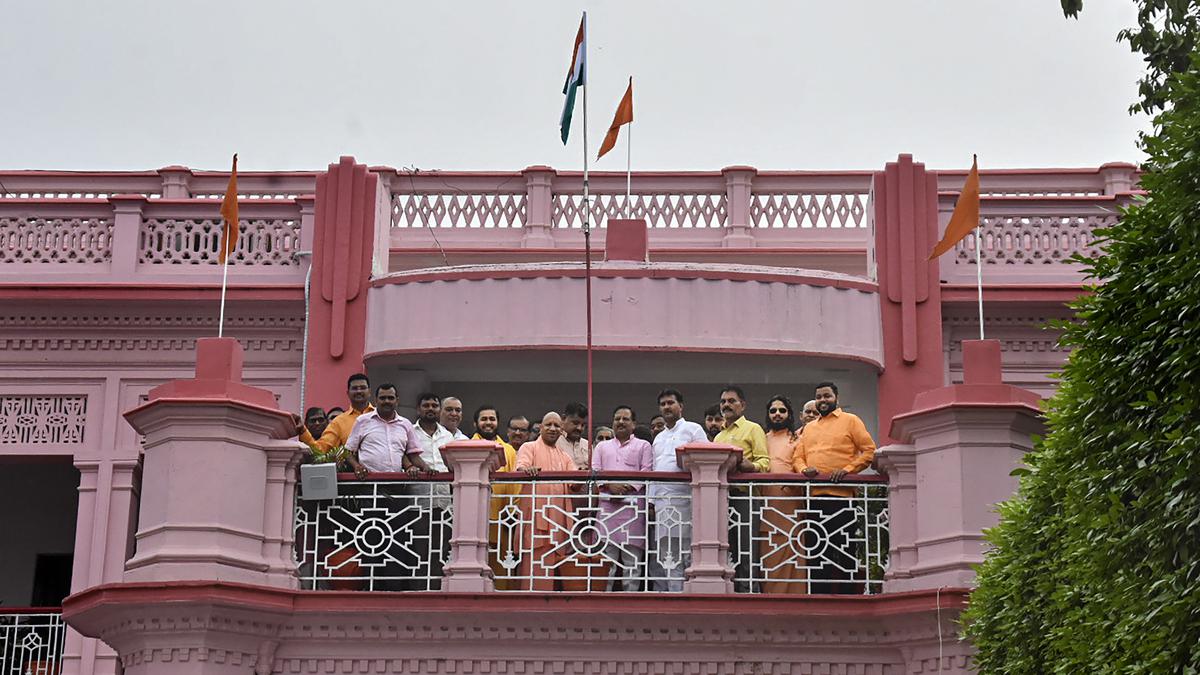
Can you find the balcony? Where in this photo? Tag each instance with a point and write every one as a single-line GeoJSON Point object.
{"type": "Point", "coordinates": [31, 640]}
{"type": "Point", "coordinates": [566, 532]}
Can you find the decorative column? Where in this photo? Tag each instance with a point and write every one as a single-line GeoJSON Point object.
{"type": "Point", "coordinates": [962, 443]}
{"type": "Point", "coordinates": [904, 215]}
{"type": "Point", "coordinates": [710, 464]}
{"type": "Point", "coordinates": [472, 463]}
{"type": "Point", "coordinates": [127, 228]}
{"type": "Point", "coordinates": [214, 485]}
{"type": "Point", "coordinates": [738, 181]}
{"type": "Point", "coordinates": [539, 207]}
{"type": "Point", "coordinates": [1119, 177]}
{"type": "Point", "coordinates": [176, 182]}
{"type": "Point", "coordinates": [343, 255]}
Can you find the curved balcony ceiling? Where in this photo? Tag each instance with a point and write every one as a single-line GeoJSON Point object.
{"type": "Point", "coordinates": [653, 307]}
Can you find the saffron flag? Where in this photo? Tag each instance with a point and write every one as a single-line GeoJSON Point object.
{"type": "Point", "coordinates": [966, 213]}
{"type": "Point", "coordinates": [229, 213]}
{"type": "Point", "coordinates": [576, 75]}
{"type": "Point", "coordinates": [624, 116]}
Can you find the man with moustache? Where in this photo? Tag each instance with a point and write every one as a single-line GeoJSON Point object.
{"type": "Point", "coordinates": [671, 503]}
{"type": "Point", "coordinates": [748, 436]}
{"type": "Point", "coordinates": [431, 538]}
{"type": "Point", "coordinates": [836, 443]}
{"type": "Point", "coordinates": [548, 511]}
{"type": "Point", "coordinates": [714, 421]}
{"type": "Point", "coordinates": [518, 430]}
{"type": "Point", "coordinates": [623, 517]}
{"type": "Point", "coordinates": [781, 505]}
{"type": "Point", "coordinates": [358, 390]}
{"type": "Point", "coordinates": [571, 441]}
{"type": "Point", "coordinates": [657, 424]}
{"type": "Point", "coordinates": [451, 417]}
{"type": "Point", "coordinates": [487, 422]}
{"type": "Point", "coordinates": [809, 414]}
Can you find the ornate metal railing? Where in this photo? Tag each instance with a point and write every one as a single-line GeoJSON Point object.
{"type": "Point", "coordinates": [31, 641]}
{"type": "Point", "coordinates": [572, 532]}
{"type": "Point", "coordinates": [791, 535]}
{"type": "Point", "coordinates": [389, 532]}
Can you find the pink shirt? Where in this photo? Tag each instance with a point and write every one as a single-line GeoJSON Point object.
{"type": "Point", "coordinates": [624, 516]}
{"type": "Point", "coordinates": [381, 444]}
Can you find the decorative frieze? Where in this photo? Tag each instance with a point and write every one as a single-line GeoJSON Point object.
{"type": "Point", "coordinates": [42, 420]}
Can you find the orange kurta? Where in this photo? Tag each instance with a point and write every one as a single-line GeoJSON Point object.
{"type": "Point", "coordinates": [336, 433]}
{"type": "Point", "coordinates": [835, 441]}
{"type": "Point", "coordinates": [548, 517]}
{"type": "Point", "coordinates": [782, 567]}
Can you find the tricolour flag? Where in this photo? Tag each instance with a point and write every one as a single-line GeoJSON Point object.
{"type": "Point", "coordinates": [229, 213]}
{"type": "Point", "coordinates": [966, 213]}
{"type": "Point", "coordinates": [624, 116]}
{"type": "Point", "coordinates": [576, 75]}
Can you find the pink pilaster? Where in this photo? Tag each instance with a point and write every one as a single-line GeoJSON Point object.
{"type": "Point", "coordinates": [539, 217]}
{"type": "Point", "coordinates": [127, 225]}
{"type": "Point", "coordinates": [710, 464]}
{"type": "Point", "coordinates": [738, 181]}
{"type": "Point", "coordinates": [471, 462]}
{"type": "Point", "coordinates": [343, 247]}
{"type": "Point", "coordinates": [961, 444]}
{"type": "Point", "coordinates": [904, 201]}
{"type": "Point", "coordinates": [176, 182]}
{"type": "Point", "coordinates": [215, 477]}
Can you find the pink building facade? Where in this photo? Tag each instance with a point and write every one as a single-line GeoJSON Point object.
{"type": "Point", "coordinates": [120, 431]}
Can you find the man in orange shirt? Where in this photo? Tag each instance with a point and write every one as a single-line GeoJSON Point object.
{"type": "Point", "coordinates": [329, 445]}
{"type": "Point", "coordinates": [836, 443]}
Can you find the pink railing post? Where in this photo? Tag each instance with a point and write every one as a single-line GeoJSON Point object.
{"type": "Point", "coordinates": [539, 208]}
{"type": "Point", "coordinates": [1119, 177]}
{"type": "Point", "coordinates": [176, 182]}
{"type": "Point", "coordinates": [738, 182]}
{"type": "Point", "coordinates": [127, 229]}
{"type": "Point", "coordinates": [472, 463]}
{"type": "Point", "coordinates": [710, 464]}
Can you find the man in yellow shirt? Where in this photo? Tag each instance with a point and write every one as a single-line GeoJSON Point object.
{"type": "Point", "coordinates": [487, 423]}
{"type": "Point", "coordinates": [358, 390]}
{"type": "Point", "coordinates": [836, 443]}
{"type": "Point", "coordinates": [751, 438]}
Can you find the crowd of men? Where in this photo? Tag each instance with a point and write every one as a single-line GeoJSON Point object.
{"type": "Point", "coordinates": [823, 440]}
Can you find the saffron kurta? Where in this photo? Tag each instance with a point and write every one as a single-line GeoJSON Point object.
{"type": "Point", "coordinates": [782, 509]}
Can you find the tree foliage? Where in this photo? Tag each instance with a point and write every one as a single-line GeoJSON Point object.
{"type": "Point", "coordinates": [1166, 36]}
{"type": "Point", "coordinates": [1096, 567]}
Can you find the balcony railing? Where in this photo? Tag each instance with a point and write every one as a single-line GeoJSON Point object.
{"type": "Point", "coordinates": [31, 640]}
{"type": "Point", "coordinates": [595, 532]}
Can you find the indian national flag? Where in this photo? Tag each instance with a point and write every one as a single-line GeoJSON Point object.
{"type": "Point", "coordinates": [576, 75]}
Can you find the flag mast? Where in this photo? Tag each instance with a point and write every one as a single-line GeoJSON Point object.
{"type": "Point", "coordinates": [629, 164]}
{"type": "Point", "coordinates": [229, 234]}
{"type": "Point", "coordinates": [587, 244]}
{"type": "Point", "coordinates": [979, 277]}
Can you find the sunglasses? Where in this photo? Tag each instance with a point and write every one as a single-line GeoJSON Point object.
{"type": "Point", "coordinates": [776, 410]}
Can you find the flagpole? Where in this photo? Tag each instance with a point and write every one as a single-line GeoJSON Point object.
{"type": "Point", "coordinates": [224, 281]}
{"type": "Point", "coordinates": [628, 171]}
{"type": "Point", "coordinates": [979, 277]}
{"type": "Point", "coordinates": [587, 245]}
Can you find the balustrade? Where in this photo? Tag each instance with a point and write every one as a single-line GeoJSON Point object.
{"type": "Point", "coordinates": [31, 640]}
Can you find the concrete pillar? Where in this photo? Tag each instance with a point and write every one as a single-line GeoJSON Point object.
{"type": "Point", "coordinates": [539, 208]}
{"type": "Point", "coordinates": [215, 502]}
{"type": "Point", "coordinates": [472, 462]}
{"type": "Point", "coordinates": [176, 182]}
{"type": "Point", "coordinates": [738, 182]}
{"type": "Point", "coordinates": [960, 444]}
{"type": "Point", "coordinates": [710, 464]}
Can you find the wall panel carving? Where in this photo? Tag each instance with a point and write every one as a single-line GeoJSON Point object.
{"type": "Point", "coordinates": [40, 420]}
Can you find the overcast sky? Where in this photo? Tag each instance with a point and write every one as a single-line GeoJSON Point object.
{"type": "Point", "coordinates": [793, 84]}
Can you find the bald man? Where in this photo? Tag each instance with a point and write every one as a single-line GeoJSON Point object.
{"type": "Point", "coordinates": [546, 505]}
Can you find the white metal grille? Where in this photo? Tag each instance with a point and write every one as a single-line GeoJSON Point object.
{"type": "Point", "coordinates": [31, 643]}
{"type": "Point", "coordinates": [378, 535]}
{"type": "Point", "coordinates": [794, 537]}
{"type": "Point", "coordinates": [572, 534]}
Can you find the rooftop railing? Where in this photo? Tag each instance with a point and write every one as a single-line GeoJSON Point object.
{"type": "Point", "coordinates": [601, 531]}
{"type": "Point", "coordinates": [31, 640]}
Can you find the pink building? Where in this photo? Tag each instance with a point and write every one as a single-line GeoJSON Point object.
{"type": "Point", "coordinates": [157, 484]}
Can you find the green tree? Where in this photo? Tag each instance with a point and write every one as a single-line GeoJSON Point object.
{"type": "Point", "coordinates": [1165, 35]}
{"type": "Point", "coordinates": [1096, 567]}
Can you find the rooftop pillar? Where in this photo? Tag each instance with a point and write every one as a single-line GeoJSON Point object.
{"type": "Point", "coordinates": [472, 463]}
{"type": "Point", "coordinates": [710, 464]}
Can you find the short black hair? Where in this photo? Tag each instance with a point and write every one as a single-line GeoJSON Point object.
{"type": "Point", "coordinates": [657, 417]}
{"type": "Point", "coordinates": [575, 410]}
{"type": "Point", "coordinates": [632, 412]}
{"type": "Point", "coordinates": [339, 409]}
{"type": "Point", "coordinates": [712, 411]}
{"type": "Point", "coordinates": [669, 392]}
{"type": "Point", "coordinates": [313, 411]}
{"type": "Point", "coordinates": [737, 390]}
{"type": "Point", "coordinates": [486, 406]}
{"type": "Point", "coordinates": [643, 432]}
{"type": "Point", "coordinates": [358, 376]}
{"type": "Point", "coordinates": [518, 417]}
{"type": "Point", "coordinates": [385, 385]}
{"type": "Point", "coordinates": [822, 385]}
{"type": "Point", "coordinates": [428, 396]}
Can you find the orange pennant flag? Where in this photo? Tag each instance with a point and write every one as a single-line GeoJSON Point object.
{"type": "Point", "coordinates": [624, 116]}
{"type": "Point", "coordinates": [229, 212]}
{"type": "Point", "coordinates": [966, 213]}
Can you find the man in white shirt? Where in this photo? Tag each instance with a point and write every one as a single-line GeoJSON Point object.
{"type": "Point", "coordinates": [672, 502]}
{"type": "Point", "coordinates": [452, 412]}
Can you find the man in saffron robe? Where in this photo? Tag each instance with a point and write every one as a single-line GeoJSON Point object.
{"type": "Point", "coordinates": [548, 514]}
